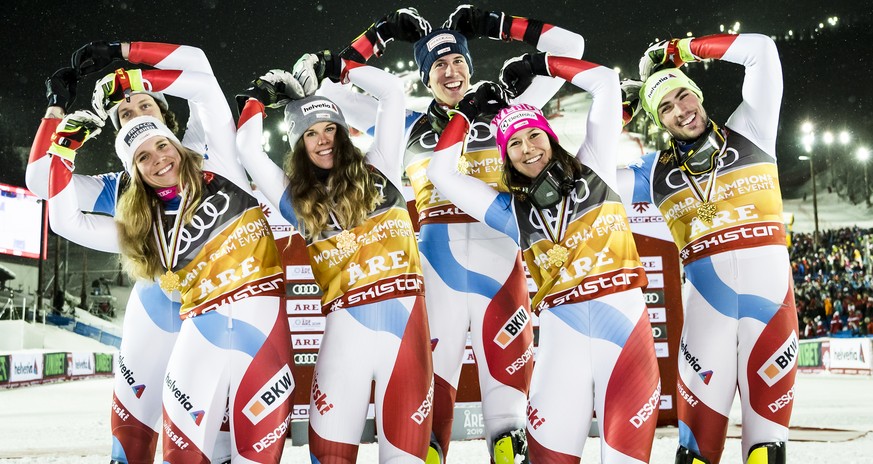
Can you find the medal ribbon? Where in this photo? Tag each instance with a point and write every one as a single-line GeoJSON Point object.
{"type": "Point", "coordinates": [557, 254]}
{"type": "Point", "coordinates": [695, 188]}
{"type": "Point", "coordinates": [168, 245]}
{"type": "Point", "coordinates": [555, 235]}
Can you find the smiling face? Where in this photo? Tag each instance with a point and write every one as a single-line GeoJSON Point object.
{"type": "Point", "coordinates": [158, 162]}
{"type": "Point", "coordinates": [682, 114]}
{"type": "Point", "coordinates": [449, 79]}
{"type": "Point", "coordinates": [529, 151]}
{"type": "Point", "coordinates": [140, 104]}
{"type": "Point", "coordinates": [319, 143]}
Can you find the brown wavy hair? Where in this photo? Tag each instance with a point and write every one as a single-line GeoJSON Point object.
{"type": "Point", "coordinates": [350, 190]}
{"type": "Point", "coordinates": [519, 184]}
{"type": "Point", "coordinates": [138, 210]}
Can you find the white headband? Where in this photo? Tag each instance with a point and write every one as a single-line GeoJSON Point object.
{"type": "Point", "coordinates": [134, 133]}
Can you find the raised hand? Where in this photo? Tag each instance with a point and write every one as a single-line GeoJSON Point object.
{"type": "Point", "coordinates": [72, 132]}
{"type": "Point", "coordinates": [60, 88]}
{"type": "Point", "coordinates": [486, 98]}
{"type": "Point", "coordinates": [473, 22]}
{"type": "Point", "coordinates": [95, 56]}
{"type": "Point", "coordinates": [517, 73]}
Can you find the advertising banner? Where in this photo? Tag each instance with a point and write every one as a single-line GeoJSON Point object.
{"type": "Point", "coordinates": [4, 369]}
{"type": "Point", "coordinates": [850, 354]}
{"type": "Point", "coordinates": [809, 356]}
{"type": "Point", "coordinates": [103, 363]}
{"type": "Point", "coordinates": [24, 367]}
{"type": "Point", "coordinates": [55, 365]}
{"type": "Point", "coordinates": [82, 364]}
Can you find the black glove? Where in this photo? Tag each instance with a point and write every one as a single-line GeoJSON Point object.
{"type": "Point", "coordinates": [486, 98]}
{"type": "Point", "coordinates": [518, 73]}
{"type": "Point", "coordinates": [328, 66]}
{"type": "Point", "coordinates": [404, 24]}
{"type": "Point", "coordinates": [60, 88]}
{"type": "Point", "coordinates": [95, 56]}
{"type": "Point", "coordinates": [473, 22]}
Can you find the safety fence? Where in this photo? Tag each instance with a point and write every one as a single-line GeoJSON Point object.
{"type": "Point", "coordinates": [836, 355]}
{"type": "Point", "coordinates": [33, 367]}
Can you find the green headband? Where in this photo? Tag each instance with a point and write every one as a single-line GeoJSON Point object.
{"type": "Point", "coordinates": [660, 84]}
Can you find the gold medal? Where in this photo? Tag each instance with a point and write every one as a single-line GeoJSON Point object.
{"type": "Point", "coordinates": [557, 256]}
{"type": "Point", "coordinates": [170, 281]}
{"type": "Point", "coordinates": [345, 241]}
{"type": "Point", "coordinates": [706, 211]}
{"type": "Point", "coordinates": [463, 164]}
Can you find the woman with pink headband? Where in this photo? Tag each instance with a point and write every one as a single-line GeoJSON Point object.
{"type": "Point", "coordinates": [595, 347]}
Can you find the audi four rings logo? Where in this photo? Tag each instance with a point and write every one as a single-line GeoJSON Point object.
{"type": "Point", "coordinates": [653, 297]}
{"type": "Point", "coordinates": [305, 359]}
{"type": "Point", "coordinates": [305, 290]}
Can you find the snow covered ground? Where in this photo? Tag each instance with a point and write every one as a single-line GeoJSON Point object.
{"type": "Point", "coordinates": [69, 423]}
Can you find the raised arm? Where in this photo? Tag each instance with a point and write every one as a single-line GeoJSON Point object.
{"type": "Point", "coordinates": [473, 196]}
{"type": "Point", "coordinates": [96, 193]}
{"type": "Point", "coordinates": [550, 39]}
{"type": "Point", "coordinates": [603, 124]}
{"type": "Point", "coordinates": [269, 178]}
{"type": "Point", "coordinates": [206, 102]}
{"type": "Point", "coordinates": [359, 109]}
{"type": "Point", "coordinates": [386, 153]}
{"type": "Point", "coordinates": [211, 129]}
{"type": "Point", "coordinates": [65, 216]}
{"type": "Point", "coordinates": [757, 117]}
{"type": "Point", "coordinates": [404, 24]}
{"type": "Point", "coordinates": [168, 56]}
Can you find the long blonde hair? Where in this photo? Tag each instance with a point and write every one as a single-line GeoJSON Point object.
{"type": "Point", "coordinates": [350, 190]}
{"type": "Point", "coordinates": [138, 210]}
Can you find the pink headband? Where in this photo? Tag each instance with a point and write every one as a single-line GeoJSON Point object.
{"type": "Point", "coordinates": [515, 118]}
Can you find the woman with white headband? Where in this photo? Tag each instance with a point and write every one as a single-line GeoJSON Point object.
{"type": "Point", "coordinates": [595, 346]}
{"type": "Point", "coordinates": [151, 317]}
{"type": "Point", "coordinates": [205, 239]}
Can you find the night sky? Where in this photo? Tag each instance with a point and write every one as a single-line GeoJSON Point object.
{"type": "Point", "coordinates": [827, 78]}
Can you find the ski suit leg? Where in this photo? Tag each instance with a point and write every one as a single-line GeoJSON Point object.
{"type": "Point", "coordinates": [561, 401]}
{"type": "Point", "coordinates": [151, 325]}
{"type": "Point", "coordinates": [768, 342]}
{"type": "Point", "coordinates": [404, 388]}
{"type": "Point", "coordinates": [340, 390]}
{"type": "Point", "coordinates": [261, 380]}
{"type": "Point", "coordinates": [627, 382]}
{"type": "Point", "coordinates": [740, 330]}
{"type": "Point", "coordinates": [449, 320]}
{"type": "Point", "coordinates": [387, 342]}
{"type": "Point", "coordinates": [475, 280]}
{"type": "Point", "coordinates": [607, 346]}
{"type": "Point", "coordinates": [707, 362]}
{"type": "Point", "coordinates": [240, 351]}
{"type": "Point", "coordinates": [502, 338]}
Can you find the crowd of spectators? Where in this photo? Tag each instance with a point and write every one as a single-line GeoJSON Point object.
{"type": "Point", "coordinates": [833, 282]}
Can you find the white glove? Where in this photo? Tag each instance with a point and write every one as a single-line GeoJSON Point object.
{"type": "Point", "coordinates": [305, 74]}
{"type": "Point", "coordinates": [285, 83]}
